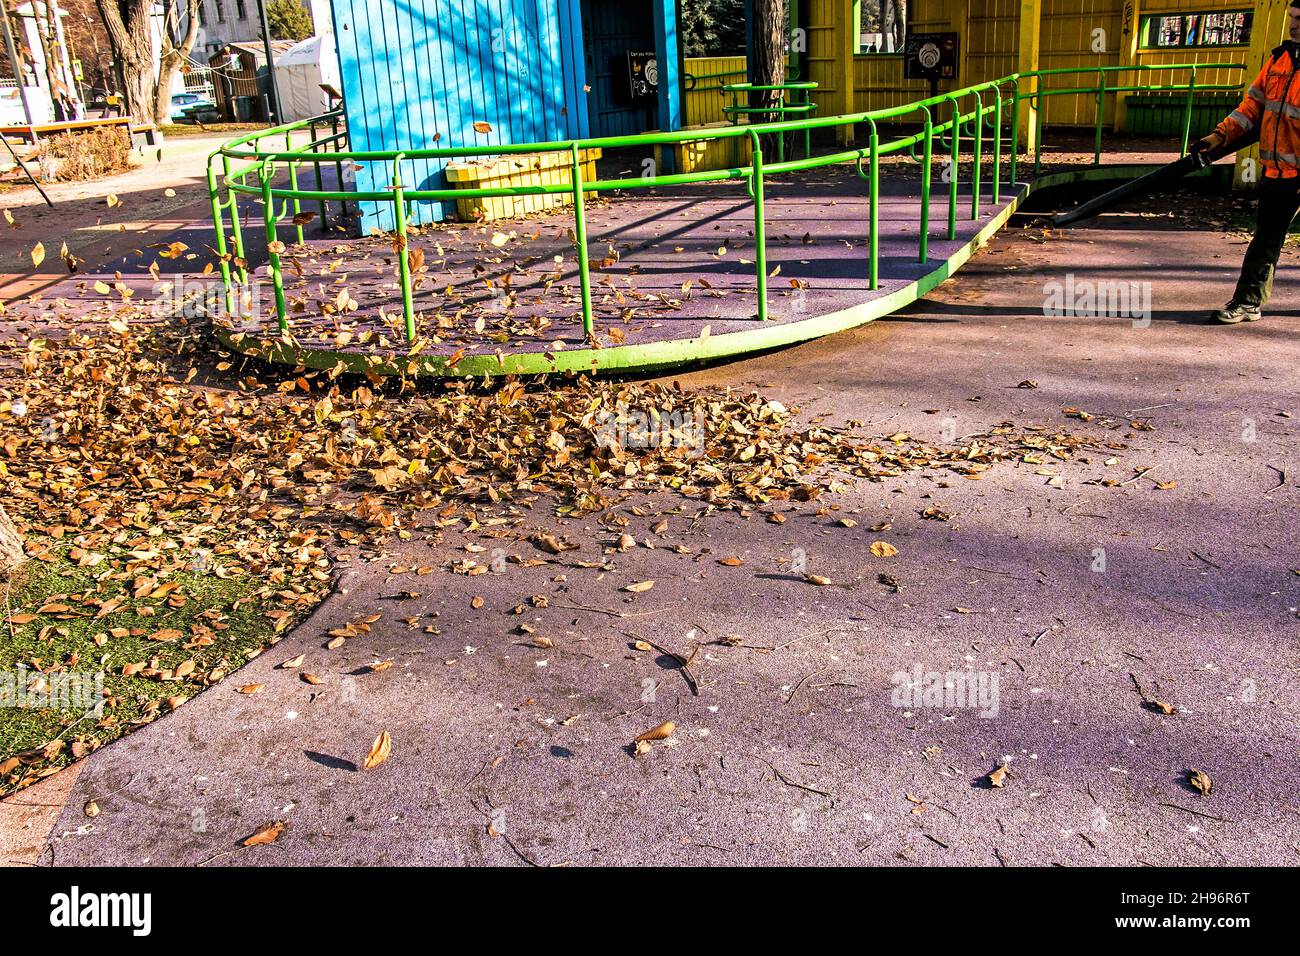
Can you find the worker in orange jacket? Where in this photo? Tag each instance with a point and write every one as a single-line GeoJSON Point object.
{"type": "Point", "coordinates": [1273, 105]}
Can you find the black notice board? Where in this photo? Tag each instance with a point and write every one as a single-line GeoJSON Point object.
{"type": "Point", "coordinates": [931, 56]}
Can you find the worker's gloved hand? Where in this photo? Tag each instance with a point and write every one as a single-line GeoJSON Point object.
{"type": "Point", "coordinates": [1212, 141]}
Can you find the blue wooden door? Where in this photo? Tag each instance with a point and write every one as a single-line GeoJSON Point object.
{"type": "Point", "coordinates": [610, 29]}
{"type": "Point", "coordinates": [421, 74]}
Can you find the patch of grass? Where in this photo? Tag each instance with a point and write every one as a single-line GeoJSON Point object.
{"type": "Point", "coordinates": [179, 130]}
{"type": "Point", "coordinates": [54, 643]}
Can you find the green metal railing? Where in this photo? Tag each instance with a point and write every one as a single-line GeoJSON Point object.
{"type": "Point", "coordinates": [801, 104]}
{"type": "Point", "coordinates": [948, 118]}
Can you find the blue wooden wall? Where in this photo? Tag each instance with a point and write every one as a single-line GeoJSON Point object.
{"type": "Point", "coordinates": [420, 73]}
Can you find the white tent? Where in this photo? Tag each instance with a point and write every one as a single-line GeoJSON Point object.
{"type": "Point", "coordinates": [299, 73]}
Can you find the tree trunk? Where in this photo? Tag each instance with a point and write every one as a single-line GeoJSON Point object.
{"type": "Point", "coordinates": [129, 31]}
{"type": "Point", "coordinates": [11, 546]}
{"type": "Point", "coordinates": [768, 68]}
{"type": "Point", "coordinates": [175, 51]}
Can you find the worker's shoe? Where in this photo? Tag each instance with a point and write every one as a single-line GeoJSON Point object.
{"type": "Point", "coordinates": [1235, 312]}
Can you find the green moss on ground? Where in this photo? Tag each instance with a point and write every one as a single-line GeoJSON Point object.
{"type": "Point", "coordinates": [52, 629]}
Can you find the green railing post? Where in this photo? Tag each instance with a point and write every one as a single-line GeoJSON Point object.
{"type": "Point", "coordinates": [297, 203]}
{"type": "Point", "coordinates": [997, 147]}
{"type": "Point", "coordinates": [807, 133]}
{"type": "Point", "coordinates": [1015, 132]}
{"type": "Point", "coordinates": [580, 230]}
{"type": "Point", "coordinates": [403, 260]}
{"type": "Point", "coordinates": [320, 182]}
{"type": "Point", "coordinates": [236, 230]}
{"type": "Point", "coordinates": [338, 166]}
{"type": "Point", "coordinates": [760, 237]}
{"type": "Point", "coordinates": [273, 256]}
{"type": "Point", "coordinates": [955, 158]}
{"type": "Point", "coordinates": [1039, 111]}
{"type": "Point", "coordinates": [1101, 112]}
{"type": "Point", "coordinates": [218, 221]}
{"type": "Point", "coordinates": [977, 173]}
{"type": "Point", "coordinates": [874, 241]}
{"type": "Point", "coordinates": [1187, 113]}
{"type": "Point", "coordinates": [926, 174]}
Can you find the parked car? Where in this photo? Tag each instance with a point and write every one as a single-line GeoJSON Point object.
{"type": "Point", "coordinates": [193, 108]}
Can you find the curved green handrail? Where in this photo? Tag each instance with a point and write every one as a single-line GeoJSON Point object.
{"type": "Point", "coordinates": [261, 165]}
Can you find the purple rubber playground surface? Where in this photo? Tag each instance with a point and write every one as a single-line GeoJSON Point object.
{"type": "Point", "coordinates": [794, 752]}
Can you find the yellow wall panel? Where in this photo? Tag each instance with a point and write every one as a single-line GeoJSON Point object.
{"type": "Point", "coordinates": [990, 38]}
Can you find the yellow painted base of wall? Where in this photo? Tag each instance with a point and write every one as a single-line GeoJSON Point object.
{"type": "Point", "coordinates": [525, 169]}
{"type": "Point", "coordinates": [697, 155]}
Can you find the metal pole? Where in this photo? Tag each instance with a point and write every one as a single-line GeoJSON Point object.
{"type": "Point", "coordinates": [270, 64]}
{"type": "Point", "coordinates": [580, 237]}
{"type": "Point", "coordinates": [18, 73]}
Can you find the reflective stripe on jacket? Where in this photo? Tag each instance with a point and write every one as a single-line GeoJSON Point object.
{"type": "Point", "coordinates": [1273, 104]}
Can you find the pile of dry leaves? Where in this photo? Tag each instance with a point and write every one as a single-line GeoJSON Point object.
{"type": "Point", "coordinates": [103, 435]}
{"type": "Point", "coordinates": [131, 454]}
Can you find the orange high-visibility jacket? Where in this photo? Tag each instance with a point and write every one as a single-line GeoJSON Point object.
{"type": "Point", "coordinates": [1273, 104]}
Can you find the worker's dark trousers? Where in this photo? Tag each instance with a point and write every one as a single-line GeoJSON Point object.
{"type": "Point", "coordinates": [1278, 201]}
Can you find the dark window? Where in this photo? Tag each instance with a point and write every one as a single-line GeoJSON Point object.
{"type": "Point", "coordinates": [241, 10]}
{"type": "Point", "coordinates": [882, 25]}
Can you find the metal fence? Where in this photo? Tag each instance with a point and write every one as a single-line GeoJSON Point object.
{"type": "Point", "coordinates": [250, 170]}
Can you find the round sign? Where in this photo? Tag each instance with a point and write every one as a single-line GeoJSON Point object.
{"type": "Point", "coordinates": [928, 56]}
{"type": "Point", "coordinates": [652, 72]}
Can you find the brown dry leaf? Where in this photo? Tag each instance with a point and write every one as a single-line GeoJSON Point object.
{"type": "Point", "coordinates": [1163, 707]}
{"type": "Point", "coordinates": [551, 544]}
{"type": "Point", "coordinates": [662, 732]}
{"type": "Point", "coordinates": [292, 662]}
{"type": "Point", "coordinates": [482, 127]}
{"type": "Point", "coordinates": [639, 587]}
{"type": "Point", "coordinates": [251, 689]}
{"type": "Point", "coordinates": [883, 549]}
{"type": "Point", "coordinates": [379, 750]}
{"type": "Point", "coordinates": [308, 678]}
{"type": "Point", "coordinates": [266, 835]}
{"type": "Point", "coordinates": [998, 778]}
{"type": "Point", "coordinates": [38, 253]}
{"type": "Point", "coordinates": [732, 562]}
{"type": "Point", "coordinates": [91, 809]}
{"type": "Point", "coordinates": [818, 579]}
{"type": "Point", "coordinates": [1200, 782]}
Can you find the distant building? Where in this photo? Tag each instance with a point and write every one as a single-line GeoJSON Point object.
{"type": "Point", "coordinates": [238, 21]}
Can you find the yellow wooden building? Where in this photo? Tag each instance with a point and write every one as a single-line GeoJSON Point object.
{"type": "Point", "coordinates": [1001, 37]}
